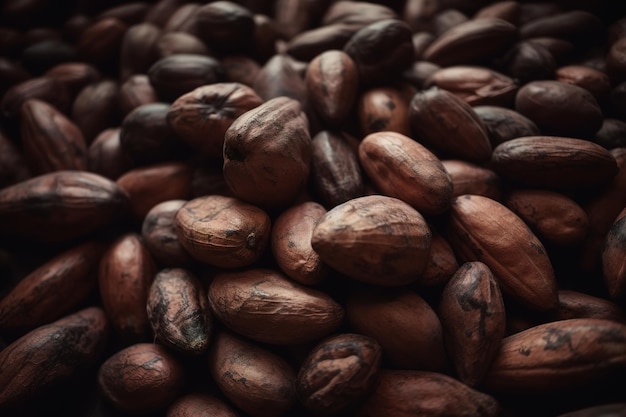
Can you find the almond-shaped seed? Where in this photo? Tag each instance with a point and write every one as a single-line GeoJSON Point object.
{"type": "Point", "coordinates": [332, 80]}
{"type": "Point", "coordinates": [335, 170]}
{"type": "Point", "coordinates": [96, 108]}
{"type": "Point", "coordinates": [50, 354]}
{"type": "Point", "coordinates": [60, 206]}
{"type": "Point", "coordinates": [53, 289]}
{"type": "Point", "coordinates": [179, 312]}
{"type": "Point", "coordinates": [473, 318]}
{"type": "Point", "coordinates": [559, 108]}
{"type": "Point", "coordinates": [383, 109]}
{"type": "Point", "coordinates": [267, 153]}
{"type": "Point", "coordinates": [557, 356]}
{"type": "Point", "coordinates": [407, 393]}
{"type": "Point", "coordinates": [471, 42]}
{"type": "Point", "coordinates": [504, 124]}
{"type": "Point", "coordinates": [150, 185]}
{"type": "Point", "coordinates": [138, 49]}
{"type": "Point", "coordinates": [577, 305]}
{"type": "Point", "coordinates": [403, 168]}
{"type": "Point", "coordinates": [106, 157]}
{"type": "Point", "coordinates": [446, 123]}
{"type": "Point", "coordinates": [553, 216]}
{"type": "Point", "coordinates": [381, 49]}
{"type": "Point", "coordinates": [482, 229]}
{"type": "Point", "coordinates": [125, 274]}
{"type": "Point", "coordinates": [554, 162]}
{"type": "Point", "coordinates": [291, 243]}
{"type": "Point", "coordinates": [158, 231]}
{"type": "Point", "coordinates": [256, 380]}
{"type": "Point", "coordinates": [223, 231]}
{"type": "Point", "coordinates": [375, 239]}
{"type": "Point", "coordinates": [141, 378]}
{"type": "Point", "coordinates": [266, 306]}
{"type": "Point", "coordinates": [595, 81]}
{"type": "Point", "coordinates": [51, 141]}
{"type": "Point", "coordinates": [134, 92]}
{"type": "Point", "coordinates": [405, 325]}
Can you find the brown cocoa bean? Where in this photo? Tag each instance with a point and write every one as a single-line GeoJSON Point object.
{"type": "Point", "coordinates": [405, 325]}
{"type": "Point", "coordinates": [332, 80]}
{"type": "Point", "coordinates": [559, 108]}
{"type": "Point", "coordinates": [179, 312]}
{"type": "Point", "coordinates": [553, 162]}
{"type": "Point", "coordinates": [555, 217]}
{"type": "Point", "coordinates": [503, 124]}
{"type": "Point", "coordinates": [178, 74]}
{"type": "Point", "coordinates": [473, 319]}
{"type": "Point", "coordinates": [297, 314]}
{"type": "Point", "coordinates": [375, 239]}
{"type": "Point", "coordinates": [267, 166]}
{"type": "Point", "coordinates": [125, 274]}
{"type": "Point", "coordinates": [158, 232]}
{"type": "Point", "coordinates": [405, 393]}
{"type": "Point", "coordinates": [291, 243]}
{"type": "Point", "coordinates": [134, 92]}
{"type": "Point", "coordinates": [53, 289]}
{"type": "Point", "coordinates": [141, 378]}
{"type": "Point", "coordinates": [60, 206]}
{"type": "Point", "coordinates": [50, 355]}
{"type": "Point", "coordinates": [383, 109]}
{"type": "Point", "coordinates": [335, 168]}
{"type": "Point", "coordinates": [201, 117]}
{"type": "Point", "coordinates": [578, 305]}
{"type": "Point", "coordinates": [256, 380]}
{"type": "Point", "coordinates": [50, 141]}
{"type": "Point", "coordinates": [436, 116]}
{"type": "Point", "coordinates": [381, 49]}
{"type": "Point", "coordinates": [557, 356]}
{"type": "Point", "coordinates": [225, 26]}
{"type": "Point", "coordinates": [138, 49]}
{"type": "Point", "coordinates": [150, 185]}
{"type": "Point", "coordinates": [402, 168]}
{"type": "Point", "coordinates": [106, 157]}
{"type": "Point", "coordinates": [471, 42]}
{"type": "Point", "coordinates": [96, 108]}
{"type": "Point", "coordinates": [223, 231]}
{"type": "Point", "coordinates": [596, 82]}
{"type": "Point", "coordinates": [513, 253]}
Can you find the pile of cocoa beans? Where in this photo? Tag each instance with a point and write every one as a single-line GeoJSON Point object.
{"type": "Point", "coordinates": [314, 208]}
